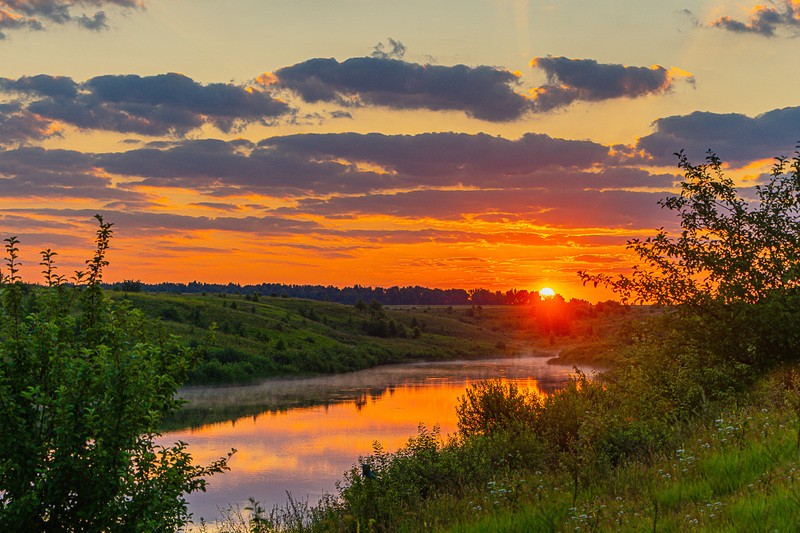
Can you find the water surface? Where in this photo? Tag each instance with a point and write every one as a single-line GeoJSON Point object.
{"type": "Point", "coordinates": [301, 435]}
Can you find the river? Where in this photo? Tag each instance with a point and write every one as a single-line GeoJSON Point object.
{"type": "Point", "coordinates": [301, 435]}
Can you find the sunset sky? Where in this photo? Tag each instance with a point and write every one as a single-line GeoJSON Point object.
{"type": "Point", "coordinates": [493, 143]}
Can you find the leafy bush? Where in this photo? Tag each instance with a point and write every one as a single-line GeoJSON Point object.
{"type": "Point", "coordinates": [84, 385]}
{"type": "Point", "coordinates": [489, 406]}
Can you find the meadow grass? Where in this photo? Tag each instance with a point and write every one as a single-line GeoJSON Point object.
{"type": "Point", "coordinates": [739, 471]}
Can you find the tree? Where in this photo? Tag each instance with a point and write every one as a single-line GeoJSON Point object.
{"type": "Point", "coordinates": [730, 248]}
{"type": "Point", "coordinates": [84, 386]}
{"type": "Point", "coordinates": [733, 269]}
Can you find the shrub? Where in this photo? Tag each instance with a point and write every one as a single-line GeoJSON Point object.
{"type": "Point", "coordinates": [489, 406]}
{"type": "Point", "coordinates": [84, 386]}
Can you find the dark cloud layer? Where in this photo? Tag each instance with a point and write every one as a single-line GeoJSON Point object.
{"type": "Point", "coordinates": [55, 174]}
{"type": "Point", "coordinates": [456, 155]}
{"type": "Point", "coordinates": [482, 92]}
{"type": "Point", "coordinates": [226, 168]}
{"type": "Point", "coordinates": [736, 138]}
{"type": "Point", "coordinates": [439, 176]}
{"type": "Point", "coordinates": [352, 163]}
{"type": "Point", "coordinates": [586, 79]}
{"type": "Point", "coordinates": [139, 221]}
{"type": "Point", "coordinates": [764, 19]}
{"type": "Point", "coordinates": [37, 14]}
{"type": "Point", "coordinates": [148, 105]}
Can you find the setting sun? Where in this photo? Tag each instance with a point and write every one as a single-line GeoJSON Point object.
{"type": "Point", "coordinates": [547, 293]}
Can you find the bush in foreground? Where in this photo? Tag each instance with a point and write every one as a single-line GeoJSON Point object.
{"type": "Point", "coordinates": [84, 385]}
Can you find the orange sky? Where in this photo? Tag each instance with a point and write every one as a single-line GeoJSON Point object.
{"type": "Point", "coordinates": [506, 147]}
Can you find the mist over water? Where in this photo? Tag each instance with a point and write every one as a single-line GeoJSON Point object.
{"type": "Point", "coordinates": [301, 435]}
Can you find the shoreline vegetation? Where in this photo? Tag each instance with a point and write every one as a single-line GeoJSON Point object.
{"type": "Point", "coordinates": [259, 338]}
{"type": "Point", "coordinates": [245, 338]}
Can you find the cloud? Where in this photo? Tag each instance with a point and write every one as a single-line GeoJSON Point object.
{"type": "Point", "coordinates": [41, 85]}
{"type": "Point", "coordinates": [448, 179]}
{"type": "Point", "coordinates": [446, 158]}
{"type": "Point", "coordinates": [174, 104]}
{"type": "Point", "coordinates": [219, 206]}
{"type": "Point", "coordinates": [18, 125]}
{"type": "Point", "coordinates": [482, 92]}
{"type": "Point", "coordinates": [148, 105]}
{"type": "Point", "coordinates": [692, 17]}
{"type": "Point", "coordinates": [13, 21]}
{"type": "Point", "coordinates": [736, 138]}
{"type": "Point", "coordinates": [764, 19]}
{"type": "Point", "coordinates": [555, 207]}
{"type": "Point", "coordinates": [33, 172]}
{"type": "Point", "coordinates": [351, 163]}
{"type": "Point", "coordinates": [230, 168]}
{"type": "Point", "coordinates": [586, 79]}
{"type": "Point", "coordinates": [397, 50]}
{"type": "Point", "coordinates": [36, 14]}
{"type": "Point", "coordinates": [140, 221]}
{"type": "Point", "coordinates": [96, 22]}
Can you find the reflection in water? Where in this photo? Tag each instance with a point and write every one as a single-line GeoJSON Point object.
{"type": "Point", "coordinates": [309, 431]}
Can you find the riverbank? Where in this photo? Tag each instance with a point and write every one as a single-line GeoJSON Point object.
{"type": "Point", "coordinates": [215, 404]}
{"type": "Point", "coordinates": [246, 338]}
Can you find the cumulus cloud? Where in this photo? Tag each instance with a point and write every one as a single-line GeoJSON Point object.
{"type": "Point", "coordinates": [174, 104]}
{"type": "Point", "coordinates": [765, 19]}
{"type": "Point", "coordinates": [148, 105]}
{"type": "Point", "coordinates": [736, 138]}
{"type": "Point", "coordinates": [37, 14]}
{"type": "Point", "coordinates": [586, 79]}
{"type": "Point", "coordinates": [482, 92]}
{"type": "Point", "coordinates": [41, 85]}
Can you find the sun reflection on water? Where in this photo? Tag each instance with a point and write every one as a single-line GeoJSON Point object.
{"type": "Point", "coordinates": [305, 450]}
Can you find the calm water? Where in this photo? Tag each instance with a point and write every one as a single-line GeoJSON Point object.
{"type": "Point", "coordinates": [301, 435]}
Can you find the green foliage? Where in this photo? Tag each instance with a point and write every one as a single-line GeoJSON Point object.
{"type": "Point", "coordinates": [729, 249]}
{"type": "Point", "coordinates": [734, 268]}
{"type": "Point", "coordinates": [276, 336]}
{"type": "Point", "coordinates": [84, 386]}
{"type": "Point", "coordinates": [491, 406]}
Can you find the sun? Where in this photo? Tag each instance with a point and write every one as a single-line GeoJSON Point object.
{"type": "Point", "coordinates": [546, 293]}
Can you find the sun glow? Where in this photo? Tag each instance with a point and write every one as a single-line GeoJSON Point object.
{"type": "Point", "coordinates": [547, 293]}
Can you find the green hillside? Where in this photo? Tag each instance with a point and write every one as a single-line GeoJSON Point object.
{"type": "Point", "coordinates": [260, 337]}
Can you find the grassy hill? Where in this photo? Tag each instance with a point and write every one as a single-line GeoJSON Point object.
{"type": "Point", "coordinates": [261, 337]}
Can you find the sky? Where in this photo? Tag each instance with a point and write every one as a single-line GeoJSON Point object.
{"type": "Point", "coordinates": [473, 143]}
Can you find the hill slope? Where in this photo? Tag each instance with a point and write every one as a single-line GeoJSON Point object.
{"type": "Point", "coordinates": [264, 337]}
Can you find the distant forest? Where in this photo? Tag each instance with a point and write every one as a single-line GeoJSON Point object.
{"type": "Point", "coordinates": [346, 295]}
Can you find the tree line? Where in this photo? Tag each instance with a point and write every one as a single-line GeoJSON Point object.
{"type": "Point", "coordinates": [415, 295]}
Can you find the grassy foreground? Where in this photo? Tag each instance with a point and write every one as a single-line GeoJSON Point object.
{"type": "Point", "coordinates": [739, 471]}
